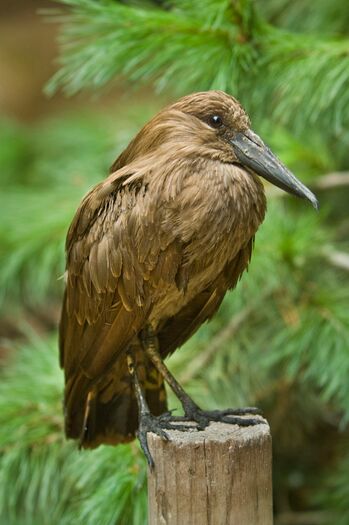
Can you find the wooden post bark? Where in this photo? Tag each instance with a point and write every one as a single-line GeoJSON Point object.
{"type": "Point", "coordinates": [220, 476]}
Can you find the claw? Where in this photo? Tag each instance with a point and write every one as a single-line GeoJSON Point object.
{"type": "Point", "coordinates": [233, 416]}
{"type": "Point", "coordinates": [202, 418]}
{"type": "Point", "coordinates": [241, 411]}
{"type": "Point", "coordinates": [142, 437]}
{"type": "Point", "coordinates": [156, 425]}
{"type": "Point", "coordinates": [242, 421]}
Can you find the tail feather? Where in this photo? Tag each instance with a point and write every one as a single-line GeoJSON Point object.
{"type": "Point", "coordinates": [108, 414]}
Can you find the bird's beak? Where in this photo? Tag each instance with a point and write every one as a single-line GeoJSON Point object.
{"type": "Point", "coordinates": [254, 154]}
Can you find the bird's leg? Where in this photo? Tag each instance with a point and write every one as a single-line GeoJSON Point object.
{"type": "Point", "coordinates": [147, 421]}
{"type": "Point", "coordinates": [192, 412]}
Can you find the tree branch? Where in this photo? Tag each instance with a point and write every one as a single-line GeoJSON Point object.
{"type": "Point", "coordinates": [220, 339]}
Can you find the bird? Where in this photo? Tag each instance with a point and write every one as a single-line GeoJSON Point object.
{"type": "Point", "coordinates": [150, 254]}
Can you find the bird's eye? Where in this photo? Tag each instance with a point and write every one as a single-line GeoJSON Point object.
{"type": "Point", "coordinates": [215, 121]}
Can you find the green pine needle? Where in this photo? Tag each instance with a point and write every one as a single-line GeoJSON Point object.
{"type": "Point", "coordinates": [296, 77]}
{"type": "Point", "coordinates": [45, 480]}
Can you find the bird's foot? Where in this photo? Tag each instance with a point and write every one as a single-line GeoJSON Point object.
{"type": "Point", "coordinates": [233, 416]}
{"type": "Point", "coordinates": [158, 425]}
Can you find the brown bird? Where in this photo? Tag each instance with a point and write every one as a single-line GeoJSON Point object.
{"type": "Point", "coordinates": [151, 252]}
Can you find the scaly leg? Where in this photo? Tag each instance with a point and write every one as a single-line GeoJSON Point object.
{"type": "Point", "coordinates": [147, 421]}
{"type": "Point", "coordinates": [192, 412]}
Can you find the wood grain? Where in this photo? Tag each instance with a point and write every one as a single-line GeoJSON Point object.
{"type": "Point", "coordinates": [220, 476]}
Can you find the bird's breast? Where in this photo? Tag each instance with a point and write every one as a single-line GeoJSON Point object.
{"type": "Point", "coordinates": [218, 210]}
{"type": "Point", "coordinates": [215, 214]}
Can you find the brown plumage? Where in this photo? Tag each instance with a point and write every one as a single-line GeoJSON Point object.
{"type": "Point", "coordinates": [157, 243]}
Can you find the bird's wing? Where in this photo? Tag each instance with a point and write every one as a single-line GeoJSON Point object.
{"type": "Point", "coordinates": [178, 329]}
{"type": "Point", "coordinates": [116, 254]}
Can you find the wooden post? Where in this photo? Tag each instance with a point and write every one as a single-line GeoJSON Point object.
{"type": "Point", "coordinates": [220, 476]}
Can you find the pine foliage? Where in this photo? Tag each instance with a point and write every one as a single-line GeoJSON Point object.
{"type": "Point", "coordinates": [280, 340]}
{"type": "Point", "coordinates": [241, 47]}
{"type": "Point", "coordinates": [43, 479]}
{"type": "Point", "coordinates": [44, 170]}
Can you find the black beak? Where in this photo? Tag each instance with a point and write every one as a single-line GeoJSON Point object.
{"type": "Point", "coordinates": [254, 154]}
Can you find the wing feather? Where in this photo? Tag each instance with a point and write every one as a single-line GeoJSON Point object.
{"type": "Point", "coordinates": [177, 330]}
{"type": "Point", "coordinates": [115, 262]}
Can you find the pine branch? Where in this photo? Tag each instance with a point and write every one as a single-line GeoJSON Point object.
{"type": "Point", "coordinates": [196, 46]}
{"type": "Point", "coordinates": [333, 180]}
{"type": "Point", "coordinates": [203, 358]}
{"type": "Point", "coordinates": [53, 165]}
{"type": "Point", "coordinates": [40, 472]}
{"type": "Point", "coordinates": [339, 259]}
{"type": "Point", "coordinates": [328, 18]}
{"type": "Point", "coordinates": [205, 44]}
{"type": "Point", "coordinates": [310, 75]}
{"type": "Point", "coordinates": [32, 248]}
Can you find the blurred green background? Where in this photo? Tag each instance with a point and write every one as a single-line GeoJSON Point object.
{"type": "Point", "coordinates": [280, 340]}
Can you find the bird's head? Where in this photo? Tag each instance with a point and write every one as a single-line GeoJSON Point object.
{"type": "Point", "coordinates": [223, 127]}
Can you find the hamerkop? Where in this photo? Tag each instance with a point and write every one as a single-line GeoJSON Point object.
{"type": "Point", "coordinates": [151, 252]}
